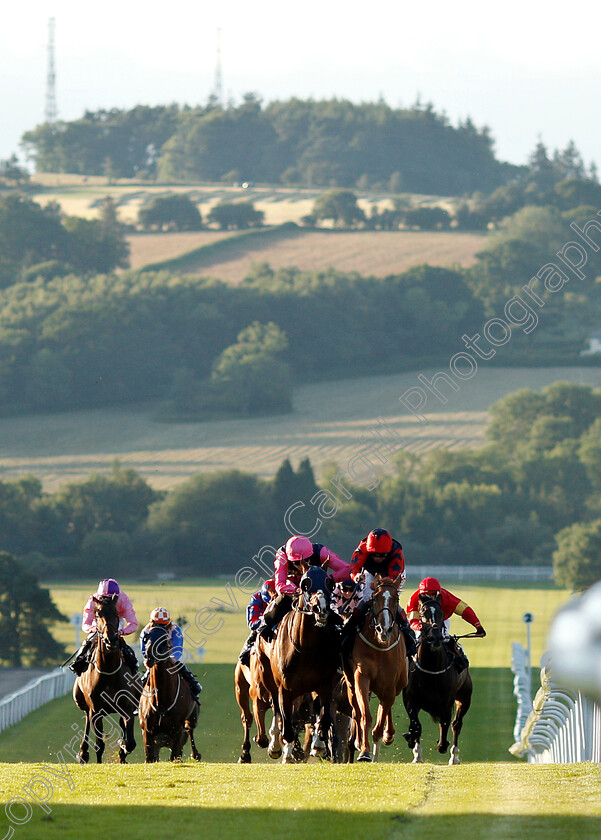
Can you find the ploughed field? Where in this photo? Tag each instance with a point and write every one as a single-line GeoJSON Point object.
{"type": "Point", "coordinates": [329, 423]}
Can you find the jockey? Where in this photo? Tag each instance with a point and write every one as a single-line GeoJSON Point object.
{"type": "Point", "coordinates": [291, 562]}
{"type": "Point", "coordinates": [128, 623]}
{"type": "Point", "coordinates": [377, 553]}
{"type": "Point", "coordinates": [160, 617]}
{"type": "Point", "coordinates": [254, 613]}
{"type": "Point", "coordinates": [346, 597]}
{"type": "Point", "coordinates": [451, 605]}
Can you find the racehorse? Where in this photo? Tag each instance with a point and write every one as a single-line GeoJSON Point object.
{"type": "Point", "coordinates": [254, 684]}
{"type": "Point", "coordinates": [378, 664]}
{"type": "Point", "coordinates": [107, 686]}
{"type": "Point", "coordinates": [435, 685]}
{"type": "Point", "coordinates": [168, 711]}
{"type": "Point", "coordinates": [305, 656]}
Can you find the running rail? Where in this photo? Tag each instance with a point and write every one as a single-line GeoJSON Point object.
{"type": "Point", "coordinates": [562, 726]}
{"type": "Point", "coordinates": [14, 707]}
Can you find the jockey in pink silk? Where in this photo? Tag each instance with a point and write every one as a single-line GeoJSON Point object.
{"type": "Point", "coordinates": [291, 562]}
{"type": "Point", "coordinates": [107, 588]}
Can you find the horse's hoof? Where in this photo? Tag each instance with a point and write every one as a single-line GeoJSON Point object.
{"type": "Point", "coordinates": [244, 759]}
{"type": "Point", "coordinates": [364, 756]}
{"type": "Point", "coordinates": [274, 752]}
{"type": "Point", "coordinates": [454, 759]}
{"type": "Point", "coordinates": [261, 741]}
{"type": "Point", "coordinates": [442, 748]}
{"type": "Point", "coordinates": [408, 737]}
{"type": "Point", "coordinates": [82, 759]}
{"type": "Point", "coordinates": [197, 757]}
{"type": "Point", "coordinates": [387, 740]}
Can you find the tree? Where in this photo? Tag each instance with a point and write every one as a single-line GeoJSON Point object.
{"type": "Point", "coordinates": [339, 206]}
{"type": "Point", "coordinates": [170, 212]}
{"type": "Point", "coordinates": [236, 214]}
{"type": "Point", "coordinates": [577, 560]}
{"type": "Point", "coordinates": [249, 377]}
{"type": "Point", "coordinates": [26, 610]}
{"type": "Point", "coordinates": [95, 247]}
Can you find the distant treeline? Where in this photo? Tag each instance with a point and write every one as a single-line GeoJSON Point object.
{"type": "Point", "coordinates": [296, 142]}
{"type": "Point", "coordinates": [531, 495]}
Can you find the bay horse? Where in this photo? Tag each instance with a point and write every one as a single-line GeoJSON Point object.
{"type": "Point", "coordinates": [305, 656]}
{"type": "Point", "coordinates": [107, 686]}
{"type": "Point", "coordinates": [435, 685]}
{"type": "Point", "coordinates": [168, 711]}
{"type": "Point", "coordinates": [378, 664]}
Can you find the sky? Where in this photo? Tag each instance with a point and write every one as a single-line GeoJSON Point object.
{"type": "Point", "coordinates": [525, 69]}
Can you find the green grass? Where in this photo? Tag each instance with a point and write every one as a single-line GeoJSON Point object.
{"type": "Point", "coordinates": [312, 801]}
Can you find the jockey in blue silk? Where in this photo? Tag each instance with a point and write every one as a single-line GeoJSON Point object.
{"type": "Point", "coordinates": [254, 613]}
{"type": "Point", "coordinates": [160, 617]}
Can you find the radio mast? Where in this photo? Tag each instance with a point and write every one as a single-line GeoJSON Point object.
{"type": "Point", "coordinates": [218, 81]}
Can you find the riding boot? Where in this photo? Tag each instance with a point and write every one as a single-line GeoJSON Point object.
{"type": "Point", "coordinates": [129, 656]}
{"type": "Point", "coordinates": [273, 615]}
{"type": "Point", "coordinates": [410, 642]}
{"type": "Point", "coordinates": [461, 661]}
{"type": "Point", "coordinates": [244, 656]}
{"type": "Point", "coordinates": [194, 685]}
{"type": "Point", "coordinates": [82, 657]}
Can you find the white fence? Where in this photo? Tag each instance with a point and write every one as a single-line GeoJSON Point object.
{"type": "Point", "coordinates": [562, 726]}
{"type": "Point", "coordinates": [15, 706]}
{"type": "Point", "coordinates": [469, 574]}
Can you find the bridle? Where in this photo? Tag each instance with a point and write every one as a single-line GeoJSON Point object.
{"type": "Point", "coordinates": [434, 625]}
{"type": "Point", "coordinates": [108, 636]}
{"type": "Point", "coordinates": [314, 603]}
{"type": "Point", "coordinates": [383, 633]}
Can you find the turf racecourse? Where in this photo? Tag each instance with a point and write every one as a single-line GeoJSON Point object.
{"type": "Point", "coordinates": [510, 802]}
{"type": "Point", "coordinates": [490, 795]}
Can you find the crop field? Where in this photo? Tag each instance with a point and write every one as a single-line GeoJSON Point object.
{"type": "Point", "coordinates": [490, 795]}
{"type": "Point", "coordinates": [329, 423]}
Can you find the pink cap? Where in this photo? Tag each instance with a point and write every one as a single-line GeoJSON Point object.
{"type": "Point", "coordinates": [299, 548]}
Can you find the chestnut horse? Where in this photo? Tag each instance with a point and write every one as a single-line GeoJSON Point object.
{"type": "Point", "coordinates": [378, 664]}
{"type": "Point", "coordinates": [435, 685]}
{"type": "Point", "coordinates": [168, 711]}
{"type": "Point", "coordinates": [305, 656]}
{"type": "Point", "coordinates": [254, 684]}
{"type": "Point", "coordinates": [107, 686]}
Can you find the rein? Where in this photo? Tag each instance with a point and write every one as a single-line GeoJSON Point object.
{"type": "Point", "coordinates": [425, 670]}
{"type": "Point", "coordinates": [377, 647]}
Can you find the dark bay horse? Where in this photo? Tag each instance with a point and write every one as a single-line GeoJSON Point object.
{"type": "Point", "coordinates": [305, 656]}
{"type": "Point", "coordinates": [168, 711]}
{"type": "Point", "coordinates": [107, 686]}
{"type": "Point", "coordinates": [378, 664]}
{"type": "Point", "coordinates": [435, 685]}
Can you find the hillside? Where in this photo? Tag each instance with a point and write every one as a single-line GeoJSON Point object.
{"type": "Point", "coordinates": [328, 423]}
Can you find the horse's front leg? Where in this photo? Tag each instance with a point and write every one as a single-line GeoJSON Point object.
{"type": "Point", "coordinates": [383, 715]}
{"type": "Point", "coordinates": [190, 725]}
{"type": "Point", "coordinates": [98, 727]}
{"type": "Point", "coordinates": [259, 710]}
{"type": "Point", "coordinates": [293, 751]}
{"type": "Point", "coordinates": [127, 742]}
{"type": "Point", "coordinates": [84, 748]}
{"type": "Point", "coordinates": [274, 748]}
{"type": "Point", "coordinates": [415, 730]}
{"type": "Point", "coordinates": [442, 744]}
{"type": "Point", "coordinates": [365, 718]}
{"type": "Point", "coordinates": [149, 749]}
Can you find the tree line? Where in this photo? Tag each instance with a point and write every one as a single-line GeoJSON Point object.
{"type": "Point", "coordinates": [312, 143]}
{"type": "Point", "coordinates": [530, 496]}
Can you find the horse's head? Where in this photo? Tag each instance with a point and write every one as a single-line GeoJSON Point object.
{"type": "Point", "coordinates": [316, 588]}
{"type": "Point", "coordinates": [385, 603]}
{"type": "Point", "coordinates": [158, 646]}
{"type": "Point", "coordinates": [107, 620]}
{"type": "Point", "coordinates": [432, 619]}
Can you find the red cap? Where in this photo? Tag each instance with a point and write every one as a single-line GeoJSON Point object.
{"type": "Point", "coordinates": [430, 584]}
{"type": "Point", "coordinates": [378, 541]}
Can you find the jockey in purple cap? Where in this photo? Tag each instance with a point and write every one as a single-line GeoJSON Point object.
{"type": "Point", "coordinates": [128, 623]}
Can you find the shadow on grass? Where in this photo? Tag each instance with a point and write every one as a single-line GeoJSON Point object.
{"type": "Point", "coordinates": [71, 822]}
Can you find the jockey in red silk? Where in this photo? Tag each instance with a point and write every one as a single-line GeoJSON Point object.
{"type": "Point", "coordinates": [291, 562]}
{"type": "Point", "coordinates": [451, 605]}
{"type": "Point", "coordinates": [160, 617]}
{"type": "Point", "coordinates": [254, 613]}
{"type": "Point", "coordinates": [377, 554]}
{"type": "Point", "coordinates": [128, 623]}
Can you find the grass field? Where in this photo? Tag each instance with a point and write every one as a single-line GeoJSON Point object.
{"type": "Point", "coordinates": [480, 802]}
{"type": "Point", "coordinates": [327, 424]}
{"type": "Point", "coordinates": [491, 795]}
